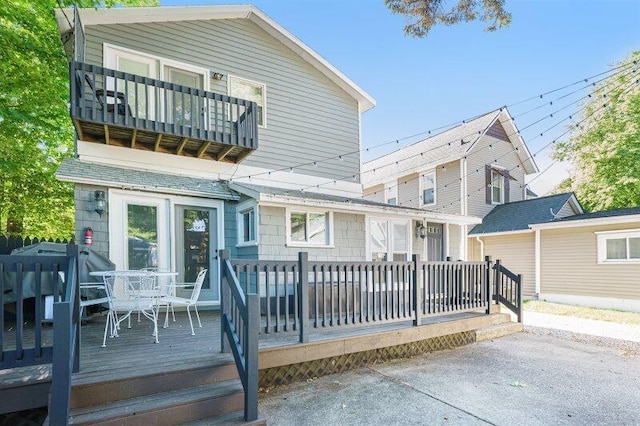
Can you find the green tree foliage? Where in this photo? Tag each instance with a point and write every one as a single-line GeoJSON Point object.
{"type": "Point", "coordinates": [605, 148]}
{"type": "Point", "coordinates": [35, 129]}
{"type": "Point", "coordinates": [422, 15]}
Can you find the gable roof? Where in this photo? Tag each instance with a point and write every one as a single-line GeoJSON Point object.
{"type": "Point", "coordinates": [130, 15]}
{"type": "Point", "coordinates": [449, 145]}
{"type": "Point", "coordinates": [517, 216]}
{"type": "Point", "coordinates": [74, 170]}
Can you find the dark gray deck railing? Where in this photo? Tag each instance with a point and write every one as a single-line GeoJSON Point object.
{"type": "Point", "coordinates": [239, 318]}
{"type": "Point", "coordinates": [40, 276]}
{"type": "Point", "coordinates": [508, 289]}
{"type": "Point", "coordinates": [106, 96]}
{"type": "Point", "coordinates": [307, 295]}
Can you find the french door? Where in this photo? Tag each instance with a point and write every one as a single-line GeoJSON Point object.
{"type": "Point", "coordinates": [163, 232]}
{"type": "Point", "coordinates": [197, 249]}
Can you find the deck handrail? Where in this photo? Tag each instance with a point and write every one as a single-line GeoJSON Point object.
{"type": "Point", "coordinates": [107, 96]}
{"type": "Point", "coordinates": [508, 289]}
{"type": "Point", "coordinates": [57, 275]}
{"type": "Point", "coordinates": [239, 316]}
{"type": "Point", "coordinates": [305, 296]}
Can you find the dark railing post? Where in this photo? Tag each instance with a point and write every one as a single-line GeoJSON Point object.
{"type": "Point", "coordinates": [489, 284]}
{"type": "Point", "coordinates": [61, 370]}
{"type": "Point", "coordinates": [225, 299]}
{"type": "Point", "coordinates": [520, 298]}
{"type": "Point", "coordinates": [417, 289]}
{"type": "Point", "coordinates": [496, 280]}
{"type": "Point", "coordinates": [303, 295]}
{"type": "Point", "coordinates": [72, 252]}
{"type": "Point", "coordinates": [252, 326]}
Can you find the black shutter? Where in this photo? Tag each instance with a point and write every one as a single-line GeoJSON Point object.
{"type": "Point", "coordinates": [487, 179]}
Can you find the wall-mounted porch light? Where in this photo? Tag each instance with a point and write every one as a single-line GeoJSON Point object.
{"type": "Point", "coordinates": [99, 200]}
{"type": "Point", "coordinates": [216, 75]}
{"type": "Point", "coordinates": [421, 230]}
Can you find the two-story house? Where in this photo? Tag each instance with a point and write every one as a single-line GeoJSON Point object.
{"type": "Point", "coordinates": [467, 170]}
{"type": "Point", "coordinates": [203, 128]}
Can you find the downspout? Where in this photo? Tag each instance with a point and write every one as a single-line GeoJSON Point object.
{"type": "Point", "coordinates": [481, 248]}
{"type": "Point", "coordinates": [464, 208]}
{"type": "Point", "coordinates": [537, 260]}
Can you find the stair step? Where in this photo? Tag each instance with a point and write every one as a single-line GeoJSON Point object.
{"type": "Point", "coordinates": [498, 330]}
{"type": "Point", "coordinates": [233, 418]}
{"type": "Point", "coordinates": [110, 386]}
{"type": "Point", "coordinates": [500, 318]}
{"type": "Point", "coordinates": [166, 408]}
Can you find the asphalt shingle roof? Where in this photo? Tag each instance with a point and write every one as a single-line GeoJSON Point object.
{"type": "Point", "coordinates": [316, 196]}
{"type": "Point", "coordinates": [629, 211]}
{"type": "Point", "coordinates": [71, 168]}
{"type": "Point", "coordinates": [519, 215]}
{"type": "Point", "coordinates": [445, 146]}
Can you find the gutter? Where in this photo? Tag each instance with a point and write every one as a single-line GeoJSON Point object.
{"type": "Point", "coordinates": [481, 247]}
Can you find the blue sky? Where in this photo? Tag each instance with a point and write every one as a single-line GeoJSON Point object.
{"type": "Point", "coordinates": [460, 71]}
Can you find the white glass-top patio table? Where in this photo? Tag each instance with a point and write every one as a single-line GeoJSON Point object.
{"type": "Point", "coordinates": [132, 291]}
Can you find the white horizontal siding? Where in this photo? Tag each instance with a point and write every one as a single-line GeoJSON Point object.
{"type": "Point", "coordinates": [569, 265]}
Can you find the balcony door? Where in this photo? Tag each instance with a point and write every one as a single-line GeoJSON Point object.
{"type": "Point", "coordinates": [167, 105]}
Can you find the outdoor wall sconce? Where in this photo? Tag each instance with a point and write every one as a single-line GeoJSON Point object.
{"type": "Point", "coordinates": [99, 200]}
{"type": "Point", "coordinates": [216, 75]}
{"type": "Point", "coordinates": [421, 230]}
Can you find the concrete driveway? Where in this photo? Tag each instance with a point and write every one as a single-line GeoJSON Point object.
{"type": "Point", "coordinates": [525, 379]}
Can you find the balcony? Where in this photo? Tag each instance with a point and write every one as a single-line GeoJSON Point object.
{"type": "Point", "coordinates": [121, 109]}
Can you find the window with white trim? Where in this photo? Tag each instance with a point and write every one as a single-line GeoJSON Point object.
{"type": "Point", "coordinates": [497, 186]}
{"type": "Point", "coordinates": [389, 240]}
{"type": "Point", "coordinates": [428, 188]}
{"type": "Point", "coordinates": [619, 246]}
{"type": "Point", "coordinates": [309, 228]}
{"type": "Point", "coordinates": [392, 193]}
{"type": "Point", "coordinates": [247, 214]}
{"type": "Point", "coordinates": [251, 91]}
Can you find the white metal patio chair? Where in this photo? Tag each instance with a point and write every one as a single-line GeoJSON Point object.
{"type": "Point", "coordinates": [127, 296]}
{"type": "Point", "coordinates": [95, 301]}
{"type": "Point", "coordinates": [171, 300]}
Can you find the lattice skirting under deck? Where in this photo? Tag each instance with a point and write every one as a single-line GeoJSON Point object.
{"type": "Point", "coordinates": [322, 367]}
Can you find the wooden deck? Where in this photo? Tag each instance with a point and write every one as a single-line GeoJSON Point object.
{"type": "Point", "coordinates": [135, 351]}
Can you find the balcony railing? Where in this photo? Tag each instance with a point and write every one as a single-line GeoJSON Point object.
{"type": "Point", "coordinates": [118, 108]}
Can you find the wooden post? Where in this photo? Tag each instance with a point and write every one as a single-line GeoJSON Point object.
{"type": "Point", "coordinates": [303, 295]}
{"type": "Point", "coordinates": [488, 283]}
{"type": "Point", "coordinates": [417, 289]}
{"type": "Point", "coordinates": [520, 298]}
{"type": "Point", "coordinates": [496, 279]}
{"type": "Point", "coordinates": [225, 300]}
{"type": "Point", "coordinates": [251, 357]}
{"type": "Point", "coordinates": [60, 401]}
{"type": "Point", "coordinates": [74, 280]}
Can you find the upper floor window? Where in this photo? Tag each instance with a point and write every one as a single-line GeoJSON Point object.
{"type": "Point", "coordinates": [392, 193]}
{"type": "Point", "coordinates": [619, 246]}
{"type": "Point", "coordinates": [306, 228]}
{"type": "Point", "coordinates": [428, 188]}
{"type": "Point", "coordinates": [497, 181]}
{"type": "Point", "coordinates": [251, 91]}
{"type": "Point", "coordinates": [246, 223]}
{"type": "Point", "coordinates": [497, 187]}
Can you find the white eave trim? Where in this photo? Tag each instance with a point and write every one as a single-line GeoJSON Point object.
{"type": "Point", "coordinates": [517, 141]}
{"type": "Point", "coordinates": [575, 223]}
{"type": "Point", "coordinates": [266, 199]}
{"type": "Point", "coordinates": [498, 234]}
{"type": "Point", "coordinates": [130, 15]}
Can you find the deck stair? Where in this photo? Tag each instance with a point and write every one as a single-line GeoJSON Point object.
{"type": "Point", "coordinates": [159, 394]}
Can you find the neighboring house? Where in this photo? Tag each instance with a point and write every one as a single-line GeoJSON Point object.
{"type": "Point", "coordinates": [466, 170]}
{"type": "Point", "coordinates": [202, 128]}
{"type": "Point", "coordinates": [506, 234]}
